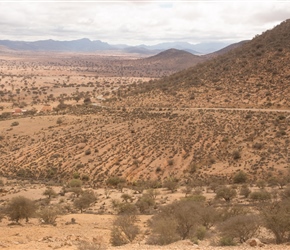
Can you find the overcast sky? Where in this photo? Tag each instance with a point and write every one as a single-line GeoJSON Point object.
{"type": "Point", "coordinates": [140, 22]}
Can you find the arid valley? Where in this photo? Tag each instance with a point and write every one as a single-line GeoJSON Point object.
{"type": "Point", "coordinates": [115, 150]}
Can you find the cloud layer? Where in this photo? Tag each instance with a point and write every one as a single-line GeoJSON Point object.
{"type": "Point", "coordinates": [137, 22]}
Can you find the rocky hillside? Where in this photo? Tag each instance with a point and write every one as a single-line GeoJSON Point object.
{"type": "Point", "coordinates": [255, 74]}
{"type": "Point", "coordinates": [145, 144]}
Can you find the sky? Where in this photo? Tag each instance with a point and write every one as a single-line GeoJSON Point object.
{"type": "Point", "coordinates": [140, 22]}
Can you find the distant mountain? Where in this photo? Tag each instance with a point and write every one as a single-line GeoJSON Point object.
{"type": "Point", "coordinates": [86, 45]}
{"type": "Point", "coordinates": [225, 50]}
{"type": "Point", "coordinates": [140, 50]}
{"type": "Point", "coordinates": [209, 47]}
{"type": "Point", "coordinates": [178, 58]}
{"type": "Point", "coordinates": [164, 63]}
{"type": "Point", "coordinates": [196, 49]}
{"type": "Point", "coordinates": [176, 45]}
{"type": "Point", "coordinates": [81, 45]}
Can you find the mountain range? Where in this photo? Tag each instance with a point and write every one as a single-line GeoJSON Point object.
{"type": "Point", "coordinates": [86, 45]}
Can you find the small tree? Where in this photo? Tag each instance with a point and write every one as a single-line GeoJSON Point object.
{"type": "Point", "coordinates": [276, 217]}
{"type": "Point", "coordinates": [176, 221]}
{"type": "Point", "coordinates": [116, 182]}
{"type": "Point", "coordinates": [49, 192]}
{"type": "Point", "coordinates": [171, 184]}
{"type": "Point", "coordinates": [124, 230]}
{"type": "Point", "coordinates": [20, 208]}
{"type": "Point", "coordinates": [226, 193]}
{"type": "Point", "coordinates": [49, 214]}
{"type": "Point", "coordinates": [242, 227]}
{"type": "Point", "coordinates": [85, 200]}
{"type": "Point", "coordinates": [145, 204]}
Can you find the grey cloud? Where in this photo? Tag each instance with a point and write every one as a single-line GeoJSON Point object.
{"type": "Point", "coordinates": [138, 22]}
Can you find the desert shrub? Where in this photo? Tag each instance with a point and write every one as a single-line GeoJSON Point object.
{"type": "Point", "coordinates": [75, 183]}
{"type": "Point", "coordinates": [258, 146]}
{"type": "Point", "coordinates": [227, 241]}
{"type": "Point", "coordinates": [145, 204]}
{"type": "Point", "coordinates": [88, 152]}
{"type": "Point", "coordinates": [59, 121]}
{"type": "Point", "coordinates": [240, 177]}
{"type": "Point", "coordinates": [196, 198]}
{"type": "Point", "coordinates": [85, 177]}
{"type": "Point", "coordinates": [170, 162]}
{"type": "Point", "coordinates": [97, 244]}
{"type": "Point", "coordinates": [279, 181]}
{"type": "Point", "coordinates": [126, 208]}
{"type": "Point", "coordinates": [245, 191]}
{"type": "Point", "coordinates": [126, 197]}
{"type": "Point", "coordinates": [48, 215]}
{"type": "Point", "coordinates": [286, 193]}
{"type": "Point", "coordinates": [116, 182]}
{"type": "Point", "coordinates": [200, 233]}
{"type": "Point", "coordinates": [49, 192]}
{"type": "Point", "coordinates": [261, 184]}
{"type": "Point", "coordinates": [20, 208]}
{"type": "Point", "coordinates": [163, 231]}
{"type": "Point", "coordinates": [236, 155]}
{"type": "Point", "coordinates": [87, 100]}
{"type": "Point", "coordinates": [13, 124]}
{"type": "Point", "coordinates": [232, 211]}
{"type": "Point", "coordinates": [175, 221]}
{"type": "Point", "coordinates": [1, 183]}
{"type": "Point", "coordinates": [77, 191]}
{"type": "Point", "coordinates": [260, 196]}
{"type": "Point", "coordinates": [153, 193]}
{"type": "Point", "coordinates": [171, 184]}
{"type": "Point", "coordinates": [226, 193]}
{"type": "Point", "coordinates": [85, 200]}
{"type": "Point", "coordinates": [276, 217]}
{"type": "Point", "coordinates": [76, 175]}
{"type": "Point", "coordinates": [124, 230]}
{"type": "Point", "coordinates": [208, 216]}
{"type": "Point", "coordinates": [241, 227]}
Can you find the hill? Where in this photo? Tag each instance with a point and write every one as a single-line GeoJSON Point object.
{"type": "Point", "coordinates": [227, 114]}
{"type": "Point", "coordinates": [253, 75]}
{"type": "Point", "coordinates": [225, 50]}
{"type": "Point", "coordinates": [171, 61]}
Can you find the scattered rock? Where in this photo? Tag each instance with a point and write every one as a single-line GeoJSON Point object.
{"type": "Point", "coordinates": [254, 242]}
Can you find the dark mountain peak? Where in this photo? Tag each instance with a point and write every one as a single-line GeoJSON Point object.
{"type": "Point", "coordinates": [173, 53]}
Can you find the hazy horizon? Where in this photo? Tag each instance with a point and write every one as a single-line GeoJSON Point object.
{"type": "Point", "coordinates": [140, 22]}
